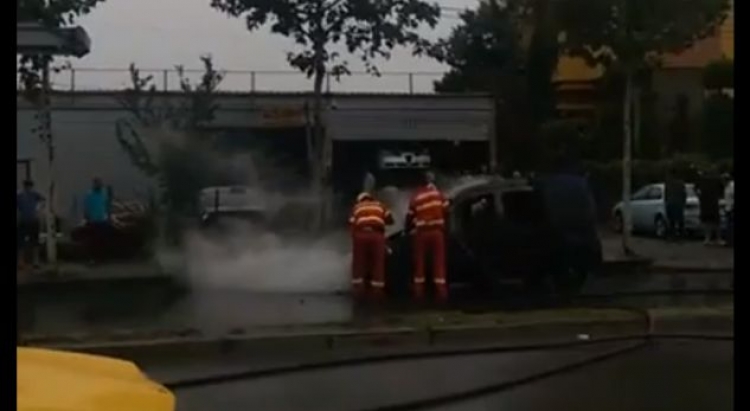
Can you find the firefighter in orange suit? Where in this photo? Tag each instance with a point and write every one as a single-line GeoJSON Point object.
{"type": "Point", "coordinates": [368, 221]}
{"type": "Point", "coordinates": [426, 220]}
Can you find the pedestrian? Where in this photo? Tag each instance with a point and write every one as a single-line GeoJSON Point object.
{"type": "Point", "coordinates": [96, 213]}
{"type": "Point", "coordinates": [710, 190]}
{"type": "Point", "coordinates": [675, 196]}
{"type": "Point", "coordinates": [368, 221]}
{"type": "Point", "coordinates": [426, 219]}
{"type": "Point", "coordinates": [729, 209]}
{"type": "Point", "coordinates": [28, 204]}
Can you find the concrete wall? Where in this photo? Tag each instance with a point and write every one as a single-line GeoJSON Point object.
{"type": "Point", "coordinates": [84, 131]}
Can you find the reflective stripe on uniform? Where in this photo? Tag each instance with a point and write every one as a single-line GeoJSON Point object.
{"type": "Point", "coordinates": [419, 280]}
{"type": "Point", "coordinates": [440, 281]}
{"type": "Point", "coordinates": [431, 204]}
{"type": "Point", "coordinates": [430, 223]}
{"type": "Point", "coordinates": [357, 281]}
{"type": "Point", "coordinates": [369, 219]}
{"type": "Point", "coordinates": [368, 207]}
{"type": "Point", "coordinates": [377, 284]}
{"type": "Point", "coordinates": [427, 196]}
{"type": "Point", "coordinates": [369, 213]}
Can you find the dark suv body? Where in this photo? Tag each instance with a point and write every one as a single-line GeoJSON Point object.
{"type": "Point", "coordinates": [503, 234]}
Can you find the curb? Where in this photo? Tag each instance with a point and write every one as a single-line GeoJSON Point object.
{"type": "Point", "coordinates": [64, 280]}
{"type": "Point", "coordinates": [676, 269]}
{"type": "Point", "coordinates": [630, 266]}
{"type": "Point", "coordinates": [312, 341]}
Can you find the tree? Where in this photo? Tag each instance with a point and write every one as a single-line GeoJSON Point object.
{"type": "Point", "coordinates": [719, 75]}
{"type": "Point", "coordinates": [166, 140]}
{"type": "Point", "coordinates": [542, 58]}
{"type": "Point", "coordinates": [508, 49]}
{"type": "Point", "coordinates": [633, 34]}
{"type": "Point", "coordinates": [368, 28]}
{"type": "Point", "coordinates": [486, 54]}
{"type": "Point", "coordinates": [717, 136]}
{"type": "Point", "coordinates": [484, 48]}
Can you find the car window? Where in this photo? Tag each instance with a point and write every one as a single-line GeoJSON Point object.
{"type": "Point", "coordinates": [641, 194]}
{"type": "Point", "coordinates": [690, 190]}
{"type": "Point", "coordinates": [654, 193]}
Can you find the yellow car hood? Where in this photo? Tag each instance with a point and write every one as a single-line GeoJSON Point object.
{"type": "Point", "coordinates": [50, 380]}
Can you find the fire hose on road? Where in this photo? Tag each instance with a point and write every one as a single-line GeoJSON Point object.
{"type": "Point", "coordinates": [636, 342]}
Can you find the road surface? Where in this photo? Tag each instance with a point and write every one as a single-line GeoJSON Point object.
{"type": "Point", "coordinates": [669, 375]}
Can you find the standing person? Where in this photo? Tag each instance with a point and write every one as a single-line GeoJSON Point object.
{"type": "Point", "coordinates": [426, 219]}
{"type": "Point", "coordinates": [28, 203]}
{"type": "Point", "coordinates": [710, 190]}
{"type": "Point", "coordinates": [729, 209]}
{"type": "Point", "coordinates": [675, 196]}
{"type": "Point", "coordinates": [96, 214]}
{"type": "Point", "coordinates": [368, 221]}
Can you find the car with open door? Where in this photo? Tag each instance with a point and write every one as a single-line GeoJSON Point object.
{"type": "Point", "coordinates": [511, 233]}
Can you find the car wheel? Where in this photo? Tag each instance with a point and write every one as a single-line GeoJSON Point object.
{"type": "Point", "coordinates": [660, 227]}
{"type": "Point", "coordinates": [618, 224]}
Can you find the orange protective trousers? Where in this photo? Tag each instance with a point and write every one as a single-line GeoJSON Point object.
{"type": "Point", "coordinates": [368, 250]}
{"type": "Point", "coordinates": [430, 241]}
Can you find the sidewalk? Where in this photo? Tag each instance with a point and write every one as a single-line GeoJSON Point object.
{"type": "Point", "coordinates": [663, 256]}
{"type": "Point", "coordinates": [652, 254]}
{"type": "Point", "coordinates": [66, 273]}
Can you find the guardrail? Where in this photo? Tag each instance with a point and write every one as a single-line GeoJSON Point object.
{"type": "Point", "coordinates": [109, 79]}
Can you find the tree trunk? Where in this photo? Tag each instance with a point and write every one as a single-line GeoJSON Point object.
{"type": "Point", "coordinates": [627, 163]}
{"type": "Point", "coordinates": [49, 205]}
{"type": "Point", "coordinates": [318, 139]}
{"type": "Point", "coordinates": [637, 120]}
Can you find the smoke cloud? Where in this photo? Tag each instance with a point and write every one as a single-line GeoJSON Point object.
{"type": "Point", "coordinates": [254, 259]}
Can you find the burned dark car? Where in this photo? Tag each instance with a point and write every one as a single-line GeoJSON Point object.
{"type": "Point", "coordinates": [510, 234]}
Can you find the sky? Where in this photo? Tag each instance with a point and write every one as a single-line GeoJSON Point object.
{"type": "Point", "coordinates": [159, 34]}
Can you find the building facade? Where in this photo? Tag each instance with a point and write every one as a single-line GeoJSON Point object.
{"type": "Point", "coordinates": [361, 126]}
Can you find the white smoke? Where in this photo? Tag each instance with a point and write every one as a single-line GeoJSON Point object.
{"type": "Point", "coordinates": [254, 260]}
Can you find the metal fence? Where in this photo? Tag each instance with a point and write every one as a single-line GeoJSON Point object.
{"type": "Point", "coordinates": [108, 79]}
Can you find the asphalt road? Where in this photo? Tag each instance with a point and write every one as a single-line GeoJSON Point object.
{"type": "Point", "coordinates": [215, 311]}
{"type": "Point", "coordinates": [674, 375]}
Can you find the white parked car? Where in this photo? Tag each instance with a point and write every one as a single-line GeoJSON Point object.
{"type": "Point", "coordinates": [649, 211]}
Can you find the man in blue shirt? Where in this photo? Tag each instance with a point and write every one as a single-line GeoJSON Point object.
{"type": "Point", "coordinates": [96, 214]}
{"type": "Point", "coordinates": [28, 203]}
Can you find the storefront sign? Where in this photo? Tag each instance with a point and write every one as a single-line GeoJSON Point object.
{"type": "Point", "coordinates": [283, 116]}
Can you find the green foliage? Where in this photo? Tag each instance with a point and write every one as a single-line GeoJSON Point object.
{"type": "Point", "coordinates": [484, 48]}
{"type": "Point", "coordinates": [542, 59]}
{"type": "Point", "coordinates": [717, 136]}
{"type": "Point", "coordinates": [719, 75]}
{"type": "Point", "coordinates": [566, 138]}
{"type": "Point", "coordinates": [368, 28]}
{"type": "Point", "coordinates": [165, 138]}
{"type": "Point", "coordinates": [57, 13]}
{"type": "Point", "coordinates": [635, 33]}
